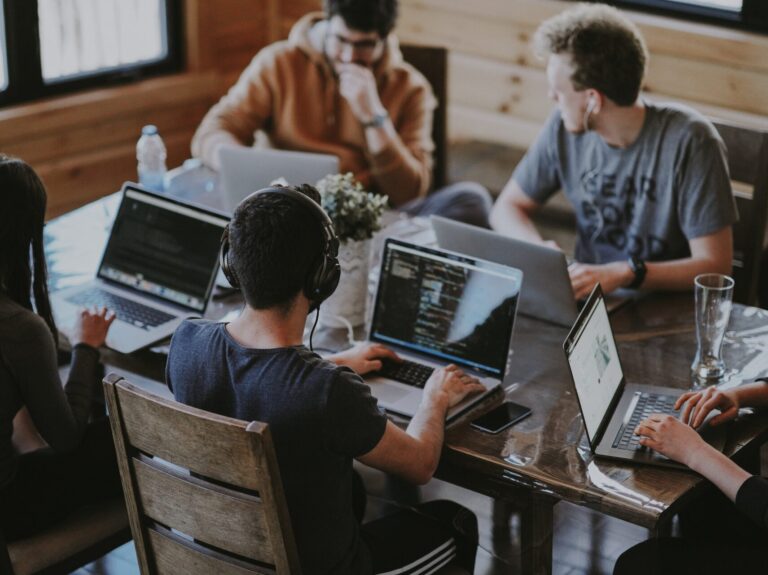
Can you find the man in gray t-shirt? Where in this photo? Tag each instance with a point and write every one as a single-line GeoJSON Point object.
{"type": "Point", "coordinates": [649, 183]}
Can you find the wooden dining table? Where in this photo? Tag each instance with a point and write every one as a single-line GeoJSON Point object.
{"type": "Point", "coordinates": [546, 458]}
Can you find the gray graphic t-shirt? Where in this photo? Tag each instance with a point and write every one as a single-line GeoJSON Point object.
{"type": "Point", "coordinates": [669, 186]}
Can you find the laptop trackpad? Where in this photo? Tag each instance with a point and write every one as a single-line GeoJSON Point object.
{"type": "Point", "coordinates": [388, 394]}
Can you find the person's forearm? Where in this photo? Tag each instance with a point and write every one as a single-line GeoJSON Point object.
{"type": "Point", "coordinates": [397, 172]}
{"type": "Point", "coordinates": [381, 137]}
{"type": "Point", "coordinates": [508, 219]}
{"type": "Point", "coordinates": [679, 274]}
{"type": "Point", "coordinates": [428, 428]}
{"type": "Point", "coordinates": [753, 394]}
{"type": "Point", "coordinates": [724, 473]}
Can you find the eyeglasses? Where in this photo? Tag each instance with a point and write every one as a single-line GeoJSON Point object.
{"type": "Point", "coordinates": [367, 46]}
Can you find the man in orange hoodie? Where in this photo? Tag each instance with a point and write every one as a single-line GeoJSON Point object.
{"type": "Point", "coordinates": [339, 86]}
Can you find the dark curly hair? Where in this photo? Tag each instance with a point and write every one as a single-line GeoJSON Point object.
{"type": "Point", "coordinates": [607, 50]}
{"type": "Point", "coordinates": [365, 15]}
{"type": "Point", "coordinates": [274, 244]}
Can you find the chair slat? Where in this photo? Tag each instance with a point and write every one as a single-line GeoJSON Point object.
{"type": "Point", "coordinates": [191, 438]}
{"type": "Point", "coordinates": [227, 520]}
{"type": "Point", "coordinates": [174, 555]}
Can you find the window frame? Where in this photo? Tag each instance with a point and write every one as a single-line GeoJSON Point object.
{"type": "Point", "coordinates": [753, 15]}
{"type": "Point", "coordinates": [24, 75]}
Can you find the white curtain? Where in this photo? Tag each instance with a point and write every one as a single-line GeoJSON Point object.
{"type": "Point", "coordinates": [80, 36]}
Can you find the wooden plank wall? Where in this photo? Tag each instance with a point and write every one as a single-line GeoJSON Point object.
{"type": "Point", "coordinates": [83, 145]}
{"type": "Point", "coordinates": [497, 87]}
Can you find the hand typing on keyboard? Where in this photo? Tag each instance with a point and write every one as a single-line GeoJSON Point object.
{"type": "Point", "coordinates": [699, 404]}
{"type": "Point", "coordinates": [91, 327]}
{"type": "Point", "coordinates": [364, 357]}
{"type": "Point", "coordinates": [452, 385]}
{"type": "Point", "coordinates": [671, 437]}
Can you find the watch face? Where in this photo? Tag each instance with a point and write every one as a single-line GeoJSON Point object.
{"type": "Point", "coordinates": [377, 121]}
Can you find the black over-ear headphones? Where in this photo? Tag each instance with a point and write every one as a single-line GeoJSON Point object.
{"type": "Point", "coordinates": [321, 281]}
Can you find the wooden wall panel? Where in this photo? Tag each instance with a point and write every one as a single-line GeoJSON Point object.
{"type": "Point", "coordinates": [292, 10]}
{"type": "Point", "coordinates": [83, 145]}
{"type": "Point", "coordinates": [498, 86]}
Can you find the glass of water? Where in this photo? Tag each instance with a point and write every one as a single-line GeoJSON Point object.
{"type": "Point", "coordinates": [714, 295]}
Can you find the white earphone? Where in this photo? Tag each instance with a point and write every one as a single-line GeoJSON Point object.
{"type": "Point", "coordinates": [588, 112]}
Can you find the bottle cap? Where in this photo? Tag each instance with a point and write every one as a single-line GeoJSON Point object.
{"type": "Point", "coordinates": [149, 130]}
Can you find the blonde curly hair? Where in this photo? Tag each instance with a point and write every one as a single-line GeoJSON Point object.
{"type": "Point", "coordinates": [607, 51]}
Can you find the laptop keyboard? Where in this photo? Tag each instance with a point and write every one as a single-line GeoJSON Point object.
{"type": "Point", "coordinates": [408, 372]}
{"type": "Point", "coordinates": [647, 403]}
{"type": "Point", "coordinates": [129, 311]}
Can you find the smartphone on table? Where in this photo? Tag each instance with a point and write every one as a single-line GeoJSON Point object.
{"type": "Point", "coordinates": [501, 417]}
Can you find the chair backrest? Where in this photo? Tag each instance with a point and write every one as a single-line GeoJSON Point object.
{"type": "Point", "coordinates": [203, 492]}
{"type": "Point", "coordinates": [748, 165]}
{"type": "Point", "coordinates": [432, 61]}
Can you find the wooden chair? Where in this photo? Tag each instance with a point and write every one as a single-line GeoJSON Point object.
{"type": "Point", "coordinates": [748, 164]}
{"type": "Point", "coordinates": [433, 63]}
{"type": "Point", "coordinates": [203, 492]}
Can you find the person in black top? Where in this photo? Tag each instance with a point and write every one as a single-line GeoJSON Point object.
{"type": "Point", "coordinates": [280, 249]}
{"type": "Point", "coordinates": [41, 486]}
{"type": "Point", "coordinates": [739, 542]}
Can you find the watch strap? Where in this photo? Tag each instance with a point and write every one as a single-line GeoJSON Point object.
{"type": "Point", "coordinates": [638, 268]}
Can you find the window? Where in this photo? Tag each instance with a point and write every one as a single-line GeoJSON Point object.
{"type": "Point", "coordinates": [749, 14]}
{"type": "Point", "coordinates": [3, 64]}
{"type": "Point", "coordinates": [57, 46]}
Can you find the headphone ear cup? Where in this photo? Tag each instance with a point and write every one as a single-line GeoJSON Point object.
{"type": "Point", "coordinates": [324, 281]}
{"type": "Point", "coordinates": [224, 263]}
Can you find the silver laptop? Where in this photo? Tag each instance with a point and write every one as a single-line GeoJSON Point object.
{"type": "Point", "coordinates": [434, 308]}
{"type": "Point", "coordinates": [245, 170]}
{"type": "Point", "coordinates": [548, 293]}
{"type": "Point", "coordinates": [611, 407]}
{"type": "Point", "coordinates": [157, 268]}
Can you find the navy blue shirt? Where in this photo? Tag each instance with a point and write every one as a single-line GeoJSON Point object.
{"type": "Point", "coordinates": [321, 417]}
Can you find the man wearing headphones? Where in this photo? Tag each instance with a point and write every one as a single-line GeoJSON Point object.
{"type": "Point", "coordinates": [648, 182]}
{"type": "Point", "coordinates": [321, 414]}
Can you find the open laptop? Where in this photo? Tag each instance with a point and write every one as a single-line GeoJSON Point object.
{"type": "Point", "coordinates": [157, 269]}
{"type": "Point", "coordinates": [611, 407]}
{"type": "Point", "coordinates": [434, 308]}
{"type": "Point", "coordinates": [548, 293]}
{"type": "Point", "coordinates": [245, 170]}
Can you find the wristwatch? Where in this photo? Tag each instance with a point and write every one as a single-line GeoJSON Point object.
{"type": "Point", "coordinates": [638, 268]}
{"type": "Point", "coordinates": [377, 121]}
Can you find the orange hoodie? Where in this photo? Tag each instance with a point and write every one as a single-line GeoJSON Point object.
{"type": "Point", "coordinates": [290, 92]}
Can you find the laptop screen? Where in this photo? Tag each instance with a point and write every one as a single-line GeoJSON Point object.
{"type": "Point", "coordinates": [448, 306]}
{"type": "Point", "coordinates": [163, 248]}
{"type": "Point", "coordinates": [594, 362]}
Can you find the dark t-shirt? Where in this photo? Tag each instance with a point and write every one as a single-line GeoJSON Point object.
{"type": "Point", "coordinates": [321, 416]}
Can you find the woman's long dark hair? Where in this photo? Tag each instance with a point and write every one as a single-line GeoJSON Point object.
{"type": "Point", "coordinates": [23, 273]}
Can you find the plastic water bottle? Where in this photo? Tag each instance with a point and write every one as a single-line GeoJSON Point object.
{"type": "Point", "coordinates": [150, 154]}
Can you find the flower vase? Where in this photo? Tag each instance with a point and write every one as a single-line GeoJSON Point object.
{"type": "Point", "coordinates": [347, 304]}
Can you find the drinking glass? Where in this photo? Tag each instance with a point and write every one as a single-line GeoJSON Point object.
{"type": "Point", "coordinates": [714, 294]}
